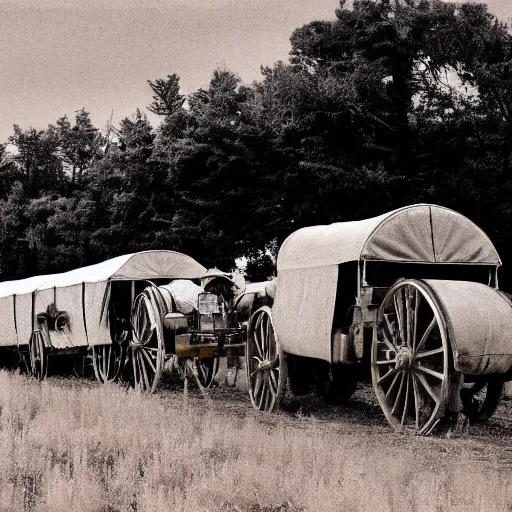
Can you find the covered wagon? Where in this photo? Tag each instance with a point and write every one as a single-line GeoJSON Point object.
{"type": "Point", "coordinates": [88, 310]}
{"type": "Point", "coordinates": [130, 314]}
{"type": "Point", "coordinates": [410, 297]}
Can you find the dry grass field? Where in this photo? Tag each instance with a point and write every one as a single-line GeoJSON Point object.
{"type": "Point", "coordinates": [76, 446]}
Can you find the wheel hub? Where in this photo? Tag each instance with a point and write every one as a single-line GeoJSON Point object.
{"type": "Point", "coordinates": [404, 358]}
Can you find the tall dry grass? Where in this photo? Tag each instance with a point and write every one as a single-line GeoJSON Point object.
{"type": "Point", "coordinates": [78, 447]}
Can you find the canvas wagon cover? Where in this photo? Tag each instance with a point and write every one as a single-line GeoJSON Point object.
{"type": "Point", "coordinates": [417, 233]}
{"type": "Point", "coordinates": [308, 261]}
{"type": "Point", "coordinates": [82, 290]}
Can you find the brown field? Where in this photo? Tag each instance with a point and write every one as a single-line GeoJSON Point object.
{"type": "Point", "coordinates": [73, 445]}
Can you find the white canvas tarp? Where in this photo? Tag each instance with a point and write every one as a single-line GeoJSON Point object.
{"type": "Point", "coordinates": [303, 310]}
{"type": "Point", "coordinates": [98, 330]}
{"type": "Point", "coordinates": [8, 334]}
{"type": "Point", "coordinates": [70, 300]}
{"type": "Point", "coordinates": [141, 265]}
{"type": "Point", "coordinates": [185, 294]}
{"type": "Point", "coordinates": [21, 286]}
{"type": "Point", "coordinates": [479, 323]}
{"type": "Point", "coordinates": [417, 233]}
{"type": "Point", "coordinates": [66, 288]}
{"type": "Point", "coordinates": [24, 319]}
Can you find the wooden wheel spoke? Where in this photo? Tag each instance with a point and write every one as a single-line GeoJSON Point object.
{"type": "Point", "coordinates": [148, 376]}
{"type": "Point", "coordinates": [37, 355]}
{"type": "Point", "coordinates": [417, 299]}
{"type": "Point", "coordinates": [262, 338]}
{"type": "Point", "coordinates": [428, 371]}
{"type": "Point", "coordinates": [149, 360]}
{"type": "Point", "coordinates": [409, 315]}
{"type": "Point", "coordinates": [268, 338]}
{"type": "Point", "coordinates": [406, 403]}
{"type": "Point", "coordinates": [268, 394]}
{"type": "Point", "coordinates": [396, 403]}
{"type": "Point", "coordinates": [430, 391]}
{"type": "Point", "coordinates": [386, 361]}
{"type": "Point", "coordinates": [426, 334]}
{"type": "Point", "coordinates": [389, 374]}
{"type": "Point", "coordinates": [103, 361]}
{"type": "Point", "coordinates": [273, 380]}
{"type": "Point", "coordinates": [399, 308]}
{"type": "Point", "coordinates": [416, 401]}
{"type": "Point", "coordinates": [391, 330]}
{"type": "Point", "coordinates": [263, 395]}
{"type": "Point", "coordinates": [257, 339]}
{"type": "Point", "coordinates": [144, 372]}
{"type": "Point", "coordinates": [428, 353]}
{"type": "Point", "coordinates": [258, 384]}
{"type": "Point", "coordinates": [134, 367]}
{"type": "Point", "coordinates": [392, 386]}
{"type": "Point", "coordinates": [388, 343]}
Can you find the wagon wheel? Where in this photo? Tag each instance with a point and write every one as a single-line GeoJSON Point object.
{"type": "Point", "coordinates": [107, 361]}
{"type": "Point", "coordinates": [480, 397]}
{"type": "Point", "coordinates": [410, 358]}
{"type": "Point", "coordinates": [147, 350]}
{"type": "Point", "coordinates": [206, 368]}
{"type": "Point", "coordinates": [38, 355]}
{"type": "Point", "coordinates": [265, 362]}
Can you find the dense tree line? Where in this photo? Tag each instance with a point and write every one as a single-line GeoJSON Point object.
{"type": "Point", "coordinates": [394, 102]}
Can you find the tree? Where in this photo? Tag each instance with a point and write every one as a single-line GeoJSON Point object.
{"type": "Point", "coordinates": [37, 159]}
{"type": "Point", "coordinates": [167, 98]}
{"type": "Point", "coordinates": [9, 174]}
{"type": "Point", "coordinates": [80, 144]}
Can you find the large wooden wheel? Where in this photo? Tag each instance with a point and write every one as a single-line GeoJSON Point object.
{"type": "Point", "coordinates": [107, 361]}
{"type": "Point", "coordinates": [481, 396]}
{"type": "Point", "coordinates": [147, 351]}
{"type": "Point", "coordinates": [410, 358]}
{"type": "Point", "coordinates": [265, 363]}
{"type": "Point", "coordinates": [38, 355]}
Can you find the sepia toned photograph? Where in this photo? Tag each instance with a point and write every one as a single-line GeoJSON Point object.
{"type": "Point", "coordinates": [255, 255]}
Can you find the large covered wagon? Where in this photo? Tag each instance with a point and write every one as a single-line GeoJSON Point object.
{"type": "Point", "coordinates": [410, 297]}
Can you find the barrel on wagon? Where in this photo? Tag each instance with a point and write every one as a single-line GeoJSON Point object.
{"type": "Point", "coordinates": [410, 297]}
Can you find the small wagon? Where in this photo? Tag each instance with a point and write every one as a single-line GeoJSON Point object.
{"type": "Point", "coordinates": [410, 297]}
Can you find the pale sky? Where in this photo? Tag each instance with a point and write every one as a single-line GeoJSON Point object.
{"type": "Point", "coordinates": [58, 56]}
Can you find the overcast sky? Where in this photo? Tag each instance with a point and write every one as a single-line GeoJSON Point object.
{"type": "Point", "coordinates": [58, 56]}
